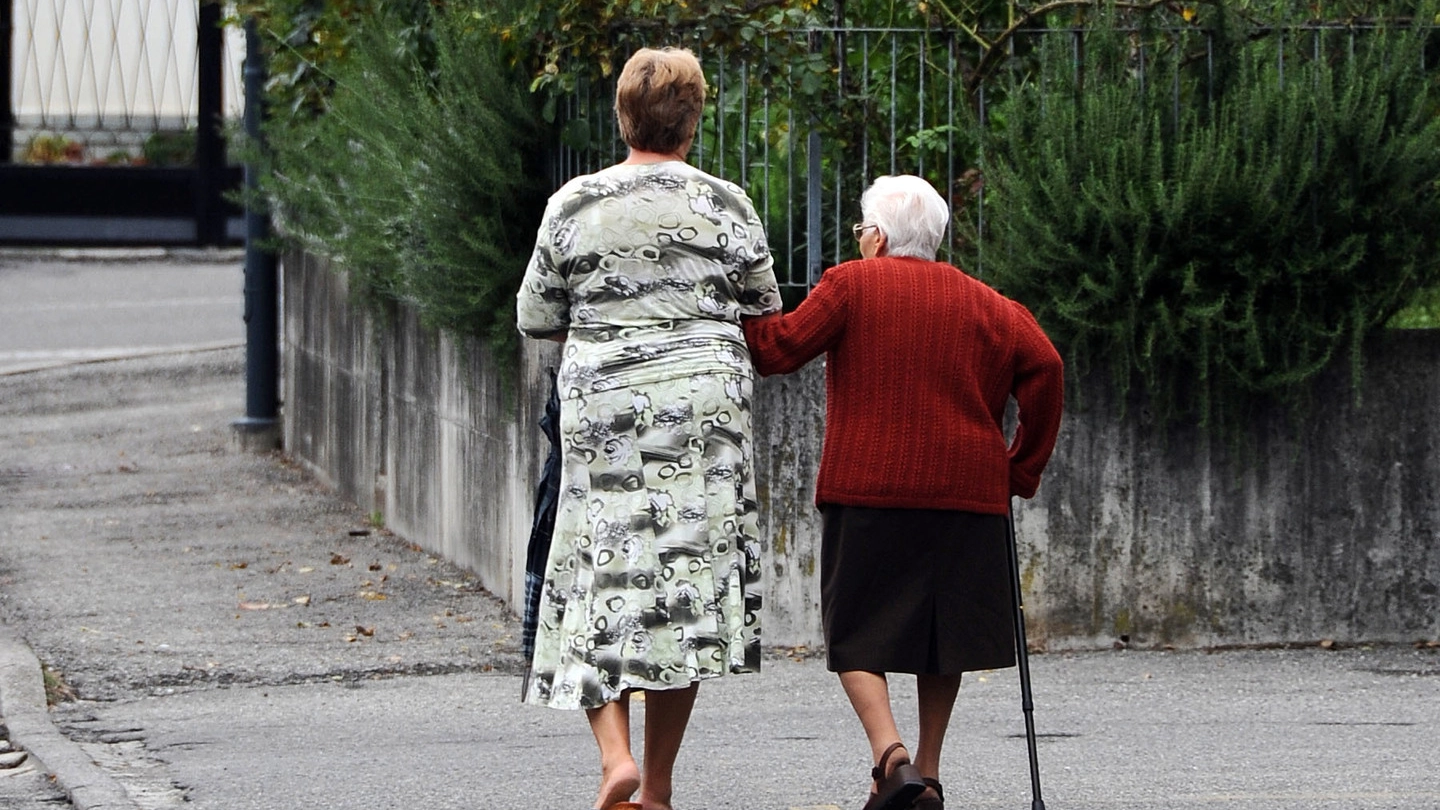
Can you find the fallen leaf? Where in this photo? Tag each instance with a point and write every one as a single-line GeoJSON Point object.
{"type": "Point", "coordinates": [375, 566]}
{"type": "Point", "coordinates": [1327, 644]}
{"type": "Point", "coordinates": [339, 559]}
{"type": "Point", "coordinates": [307, 569]}
{"type": "Point", "coordinates": [374, 596]}
{"type": "Point", "coordinates": [239, 565]}
{"type": "Point", "coordinates": [365, 631]}
{"type": "Point", "coordinates": [302, 600]}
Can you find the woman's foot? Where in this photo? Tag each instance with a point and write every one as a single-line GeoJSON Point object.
{"type": "Point", "coordinates": [617, 784]}
{"type": "Point", "coordinates": [933, 798]}
{"type": "Point", "coordinates": [896, 781]}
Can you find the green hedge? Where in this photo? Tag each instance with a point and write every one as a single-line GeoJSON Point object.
{"type": "Point", "coordinates": [419, 172]}
{"type": "Point", "coordinates": [1217, 233]}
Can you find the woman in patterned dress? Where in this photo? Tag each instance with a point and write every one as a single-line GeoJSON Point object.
{"type": "Point", "coordinates": [644, 270]}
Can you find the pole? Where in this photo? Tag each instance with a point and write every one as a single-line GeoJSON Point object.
{"type": "Point", "coordinates": [814, 260]}
{"type": "Point", "coordinates": [209, 135]}
{"type": "Point", "coordinates": [1027, 700]}
{"type": "Point", "coordinates": [7, 112]}
{"type": "Point", "coordinates": [259, 430]}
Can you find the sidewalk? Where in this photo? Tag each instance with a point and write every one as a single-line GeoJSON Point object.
{"type": "Point", "coordinates": [235, 637]}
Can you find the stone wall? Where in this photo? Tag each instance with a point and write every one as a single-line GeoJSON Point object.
{"type": "Point", "coordinates": [1328, 530]}
{"type": "Point", "coordinates": [412, 425]}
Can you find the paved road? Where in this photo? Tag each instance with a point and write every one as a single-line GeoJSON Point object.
{"type": "Point", "coordinates": [62, 307]}
{"type": "Point", "coordinates": [239, 639]}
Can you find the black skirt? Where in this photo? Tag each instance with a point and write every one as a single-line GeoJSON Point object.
{"type": "Point", "coordinates": [926, 591]}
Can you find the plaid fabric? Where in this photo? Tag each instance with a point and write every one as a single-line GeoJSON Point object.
{"type": "Point", "coordinates": [547, 494]}
{"type": "Point", "coordinates": [533, 583]}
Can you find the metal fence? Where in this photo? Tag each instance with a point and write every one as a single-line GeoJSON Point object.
{"type": "Point", "coordinates": [804, 121]}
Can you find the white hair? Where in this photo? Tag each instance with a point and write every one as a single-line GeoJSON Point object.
{"type": "Point", "coordinates": [910, 212]}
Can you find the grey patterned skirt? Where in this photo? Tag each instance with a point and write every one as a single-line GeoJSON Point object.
{"type": "Point", "coordinates": [653, 576]}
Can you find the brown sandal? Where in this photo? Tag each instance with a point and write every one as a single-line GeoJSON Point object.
{"type": "Point", "coordinates": [937, 803]}
{"type": "Point", "coordinates": [897, 790]}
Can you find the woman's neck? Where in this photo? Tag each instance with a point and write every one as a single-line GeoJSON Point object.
{"type": "Point", "coordinates": [640, 156]}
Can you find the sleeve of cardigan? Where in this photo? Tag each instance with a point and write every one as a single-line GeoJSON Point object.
{"type": "Point", "coordinates": [780, 344]}
{"type": "Point", "coordinates": [1039, 390]}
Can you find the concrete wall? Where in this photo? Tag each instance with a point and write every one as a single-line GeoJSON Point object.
{"type": "Point", "coordinates": [413, 425]}
{"type": "Point", "coordinates": [1326, 531]}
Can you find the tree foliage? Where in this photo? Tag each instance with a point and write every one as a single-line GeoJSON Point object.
{"type": "Point", "coordinates": [1215, 200]}
{"type": "Point", "coordinates": [420, 174]}
{"type": "Point", "coordinates": [1218, 232]}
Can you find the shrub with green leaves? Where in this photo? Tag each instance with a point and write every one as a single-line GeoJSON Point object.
{"type": "Point", "coordinates": [1218, 232]}
{"type": "Point", "coordinates": [419, 176]}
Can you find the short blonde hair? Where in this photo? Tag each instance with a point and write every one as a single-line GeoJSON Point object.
{"type": "Point", "coordinates": [658, 99]}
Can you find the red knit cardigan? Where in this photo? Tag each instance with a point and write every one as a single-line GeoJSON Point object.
{"type": "Point", "coordinates": [920, 361]}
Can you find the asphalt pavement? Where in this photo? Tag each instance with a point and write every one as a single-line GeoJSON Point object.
{"type": "Point", "coordinates": [60, 307]}
{"type": "Point", "coordinates": [219, 632]}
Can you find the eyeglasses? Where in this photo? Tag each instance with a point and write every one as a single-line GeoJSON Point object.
{"type": "Point", "coordinates": [860, 228]}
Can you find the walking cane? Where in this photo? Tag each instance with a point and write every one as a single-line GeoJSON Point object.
{"type": "Point", "coordinates": [1027, 700]}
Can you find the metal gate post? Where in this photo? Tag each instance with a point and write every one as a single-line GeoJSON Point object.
{"type": "Point", "coordinates": [7, 113]}
{"type": "Point", "coordinates": [814, 258]}
{"type": "Point", "coordinates": [209, 135]}
{"type": "Point", "coordinates": [259, 431]}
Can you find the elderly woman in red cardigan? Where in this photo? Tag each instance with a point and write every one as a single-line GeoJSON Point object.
{"type": "Point", "coordinates": [916, 475]}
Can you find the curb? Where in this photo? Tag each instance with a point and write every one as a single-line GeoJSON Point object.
{"type": "Point", "coordinates": [129, 354]}
{"type": "Point", "coordinates": [22, 705]}
{"type": "Point", "coordinates": [126, 255]}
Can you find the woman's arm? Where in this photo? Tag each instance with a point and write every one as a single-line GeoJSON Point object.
{"type": "Point", "coordinates": [542, 305]}
{"type": "Point", "coordinates": [1039, 391]}
{"type": "Point", "coordinates": [780, 344]}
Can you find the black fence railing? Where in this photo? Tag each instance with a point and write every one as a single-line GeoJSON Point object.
{"type": "Point", "coordinates": [807, 134]}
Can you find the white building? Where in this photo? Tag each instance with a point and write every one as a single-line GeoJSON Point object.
{"type": "Point", "coordinates": [107, 74]}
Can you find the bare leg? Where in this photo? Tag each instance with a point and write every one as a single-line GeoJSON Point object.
{"type": "Point", "coordinates": [667, 714]}
{"type": "Point", "coordinates": [869, 695]}
{"type": "Point", "coordinates": [936, 699]}
{"type": "Point", "coordinates": [619, 778]}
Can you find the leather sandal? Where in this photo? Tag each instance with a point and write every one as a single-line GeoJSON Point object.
{"type": "Point", "coordinates": [898, 789]}
{"type": "Point", "coordinates": [937, 803]}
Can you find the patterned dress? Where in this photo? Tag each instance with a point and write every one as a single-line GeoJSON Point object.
{"type": "Point", "coordinates": [653, 576]}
